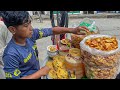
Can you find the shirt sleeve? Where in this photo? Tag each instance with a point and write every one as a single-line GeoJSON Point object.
{"type": "Point", "coordinates": [40, 33]}
{"type": "Point", "coordinates": [11, 67]}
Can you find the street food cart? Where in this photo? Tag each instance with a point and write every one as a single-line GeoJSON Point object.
{"type": "Point", "coordinates": [90, 56]}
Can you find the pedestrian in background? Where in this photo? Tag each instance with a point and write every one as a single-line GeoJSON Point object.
{"type": "Point", "coordinates": [5, 37]}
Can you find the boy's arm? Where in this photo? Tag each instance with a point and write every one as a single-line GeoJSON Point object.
{"type": "Point", "coordinates": [40, 33]}
{"type": "Point", "coordinates": [43, 71]}
{"type": "Point", "coordinates": [37, 33]}
{"type": "Point", "coordinates": [62, 30]}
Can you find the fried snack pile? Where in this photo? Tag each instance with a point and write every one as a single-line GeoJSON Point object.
{"type": "Point", "coordinates": [52, 49]}
{"type": "Point", "coordinates": [53, 74]}
{"type": "Point", "coordinates": [76, 39]}
{"type": "Point", "coordinates": [50, 64]}
{"type": "Point", "coordinates": [75, 52]}
{"type": "Point", "coordinates": [62, 73]}
{"type": "Point", "coordinates": [58, 63]}
{"type": "Point", "coordinates": [97, 65]}
{"type": "Point", "coordinates": [58, 70]}
{"type": "Point", "coordinates": [65, 41]}
{"type": "Point", "coordinates": [99, 60]}
{"type": "Point", "coordinates": [101, 73]}
{"type": "Point", "coordinates": [103, 43]}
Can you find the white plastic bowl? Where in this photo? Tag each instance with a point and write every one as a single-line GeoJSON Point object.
{"type": "Point", "coordinates": [52, 54]}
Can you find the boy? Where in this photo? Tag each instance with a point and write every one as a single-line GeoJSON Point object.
{"type": "Point", "coordinates": [21, 55]}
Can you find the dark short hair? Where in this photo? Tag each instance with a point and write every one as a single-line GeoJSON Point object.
{"type": "Point", "coordinates": [15, 18]}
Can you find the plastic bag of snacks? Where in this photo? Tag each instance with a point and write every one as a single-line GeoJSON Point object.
{"type": "Point", "coordinates": [90, 24]}
{"type": "Point", "coordinates": [76, 39]}
{"type": "Point", "coordinates": [100, 50]}
{"type": "Point", "coordinates": [101, 55]}
{"type": "Point", "coordinates": [101, 73]}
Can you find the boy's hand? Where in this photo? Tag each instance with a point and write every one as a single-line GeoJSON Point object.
{"type": "Point", "coordinates": [45, 70]}
{"type": "Point", "coordinates": [80, 30]}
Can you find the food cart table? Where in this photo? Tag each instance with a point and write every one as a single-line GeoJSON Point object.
{"type": "Point", "coordinates": [47, 58]}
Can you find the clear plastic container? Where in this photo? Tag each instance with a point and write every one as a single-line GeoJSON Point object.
{"type": "Point", "coordinates": [75, 66]}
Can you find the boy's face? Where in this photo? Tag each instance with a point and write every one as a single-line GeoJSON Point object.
{"type": "Point", "coordinates": [24, 31]}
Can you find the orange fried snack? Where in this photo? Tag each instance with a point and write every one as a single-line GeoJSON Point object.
{"type": "Point", "coordinates": [103, 43]}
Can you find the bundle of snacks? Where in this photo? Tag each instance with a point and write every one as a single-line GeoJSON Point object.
{"type": "Point", "coordinates": [76, 39]}
{"type": "Point", "coordinates": [52, 74]}
{"type": "Point", "coordinates": [93, 29]}
{"type": "Point", "coordinates": [50, 64]}
{"type": "Point", "coordinates": [73, 62]}
{"type": "Point", "coordinates": [101, 51]}
{"type": "Point", "coordinates": [59, 57]}
{"type": "Point", "coordinates": [62, 73]}
{"type": "Point", "coordinates": [58, 70]}
{"type": "Point", "coordinates": [58, 62]}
